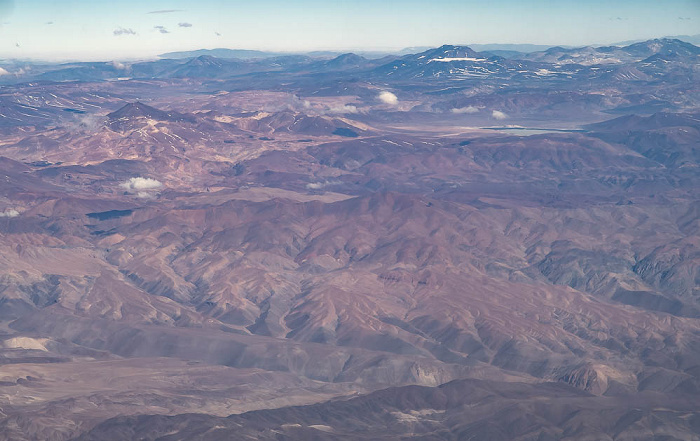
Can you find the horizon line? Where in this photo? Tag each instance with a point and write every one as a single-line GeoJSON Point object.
{"type": "Point", "coordinates": [337, 50]}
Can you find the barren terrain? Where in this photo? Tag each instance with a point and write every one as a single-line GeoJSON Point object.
{"type": "Point", "coordinates": [275, 249]}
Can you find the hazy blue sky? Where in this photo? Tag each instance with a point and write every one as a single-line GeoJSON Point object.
{"type": "Point", "coordinates": [106, 30]}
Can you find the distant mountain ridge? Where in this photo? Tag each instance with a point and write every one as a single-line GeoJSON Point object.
{"type": "Point", "coordinates": [589, 55]}
{"type": "Point", "coordinates": [244, 54]}
{"type": "Point", "coordinates": [644, 61]}
{"type": "Point", "coordinates": [523, 48]}
{"type": "Point", "coordinates": [692, 39]}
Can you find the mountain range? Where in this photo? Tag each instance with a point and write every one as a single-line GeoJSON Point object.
{"type": "Point", "coordinates": [449, 244]}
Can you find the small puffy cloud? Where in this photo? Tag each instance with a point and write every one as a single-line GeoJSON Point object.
{"type": "Point", "coordinates": [388, 98]}
{"type": "Point", "coordinates": [320, 185]}
{"type": "Point", "coordinates": [165, 11]}
{"type": "Point", "coordinates": [497, 114]}
{"type": "Point", "coordinates": [185, 25]}
{"type": "Point", "coordinates": [141, 187]}
{"type": "Point", "coordinates": [118, 65]}
{"type": "Point", "coordinates": [468, 109]}
{"type": "Point", "coordinates": [343, 109]}
{"type": "Point", "coordinates": [123, 31]}
{"type": "Point", "coordinates": [140, 183]}
{"type": "Point", "coordinates": [161, 29]}
{"type": "Point", "coordinates": [9, 213]}
{"type": "Point", "coordinates": [3, 72]}
{"type": "Point", "coordinates": [293, 102]}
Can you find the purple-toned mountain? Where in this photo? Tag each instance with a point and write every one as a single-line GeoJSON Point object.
{"type": "Point", "coordinates": [207, 66]}
{"type": "Point", "coordinates": [346, 61]}
{"type": "Point", "coordinates": [136, 113]}
{"type": "Point", "coordinates": [445, 61]}
{"type": "Point", "coordinates": [617, 55]}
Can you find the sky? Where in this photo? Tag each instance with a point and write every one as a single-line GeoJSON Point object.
{"type": "Point", "coordinates": [128, 29]}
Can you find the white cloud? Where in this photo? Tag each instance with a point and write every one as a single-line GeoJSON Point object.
{"type": "Point", "coordinates": [388, 98]}
{"type": "Point", "coordinates": [123, 31]}
{"type": "Point", "coordinates": [468, 109]}
{"type": "Point", "coordinates": [292, 103]}
{"type": "Point", "coordinates": [165, 11]}
{"type": "Point", "coordinates": [141, 186]}
{"type": "Point", "coordinates": [343, 109]}
{"type": "Point", "coordinates": [118, 65]}
{"type": "Point", "coordinates": [320, 185]}
{"type": "Point", "coordinates": [3, 72]}
{"type": "Point", "coordinates": [497, 114]}
{"type": "Point", "coordinates": [84, 123]}
{"type": "Point", "coordinates": [10, 213]}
